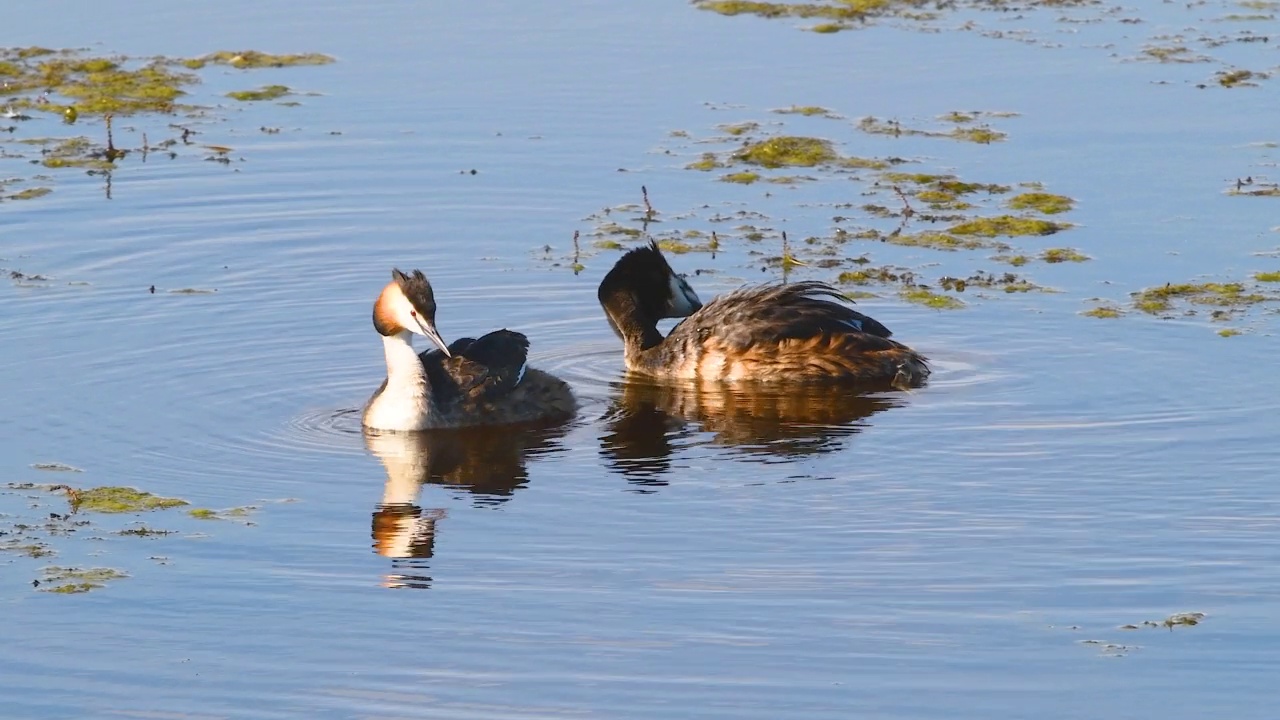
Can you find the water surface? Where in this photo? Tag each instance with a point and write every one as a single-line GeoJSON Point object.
{"type": "Point", "coordinates": [942, 553]}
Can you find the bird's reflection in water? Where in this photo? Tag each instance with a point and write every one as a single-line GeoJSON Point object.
{"type": "Point", "coordinates": [647, 421]}
{"type": "Point", "coordinates": [487, 463]}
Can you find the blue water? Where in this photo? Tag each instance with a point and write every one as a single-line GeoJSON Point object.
{"type": "Point", "coordinates": [943, 553]}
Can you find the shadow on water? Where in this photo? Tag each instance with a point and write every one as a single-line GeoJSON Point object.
{"type": "Point", "coordinates": [485, 462]}
{"type": "Point", "coordinates": [648, 422]}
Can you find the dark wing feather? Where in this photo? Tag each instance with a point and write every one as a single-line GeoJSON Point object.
{"type": "Point", "coordinates": [773, 313]}
{"type": "Point", "coordinates": [480, 369]}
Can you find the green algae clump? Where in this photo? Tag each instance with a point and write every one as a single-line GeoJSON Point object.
{"type": "Point", "coordinates": [937, 241]}
{"type": "Point", "coordinates": [866, 276]}
{"type": "Point", "coordinates": [806, 110]}
{"type": "Point", "coordinates": [1160, 299]}
{"type": "Point", "coordinates": [1041, 202]}
{"type": "Point", "coordinates": [1229, 332]}
{"type": "Point", "coordinates": [29, 193]}
{"type": "Point", "coordinates": [707, 162]}
{"type": "Point", "coordinates": [1008, 226]}
{"type": "Point", "coordinates": [928, 298]}
{"type": "Point", "coordinates": [787, 151]}
{"type": "Point", "coordinates": [268, 92]}
{"type": "Point", "coordinates": [1267, 276]}
{"type": "Point", "coordinates": [1103, 311]}
{"type": "Point", "coordinates": [247, 59]}
{"type": "Point", "coordinates": [75, 580]}
{"type": "Point", "coordinates": [1060, 255]}
{"type": "Point", "coordinates": [980, 135]}
{"type": "Point", "coordinates": [1234, 77]}
{"type": "Point", "coordinates": [1014, 260]}
{"type": "Point", "coordinates": [740, 128]}
{"type": "Point", "coordinates": [112, 499]}
{"type": "Point", "coordinates": [742, 178]}
{"type": "Point", "coordinates": [230, 513]}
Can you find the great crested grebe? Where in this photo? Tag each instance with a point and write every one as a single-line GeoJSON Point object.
{"type": "Point", "coordinates": [797, 332]}
{"type": "Point", "coordinates": [483, 381]}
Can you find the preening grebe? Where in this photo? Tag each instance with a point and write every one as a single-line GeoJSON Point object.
{"type": "Point", "coordinates": [483, 381]}
{"type": "Point", "coordinates": [797, 332]}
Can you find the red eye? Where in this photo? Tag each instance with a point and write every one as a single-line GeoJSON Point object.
{"type": "Point", "coordinates": [413, 313]}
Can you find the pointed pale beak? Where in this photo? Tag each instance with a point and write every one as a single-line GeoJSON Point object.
{"type": "Point", "coordinates": [428, 330]}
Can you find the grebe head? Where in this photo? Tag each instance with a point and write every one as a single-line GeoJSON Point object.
{"type": "Point", "coordinates": [407, 303]}
{"type": "Point", "coordinates": [656, 289]}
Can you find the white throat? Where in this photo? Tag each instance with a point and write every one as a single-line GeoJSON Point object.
{"type": "Point", "coordinates": [404, 403]}
{"type": "Point", "coordinates": [404, 367]}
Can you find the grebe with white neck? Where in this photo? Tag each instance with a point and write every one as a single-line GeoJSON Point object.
{"type": "Point", "coordinates": [484, 381]}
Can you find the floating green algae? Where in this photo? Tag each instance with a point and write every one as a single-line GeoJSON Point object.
{"type": "Point", "coordinates": [1234, 78]}
{"type": "Point", "coordinates": [937, 241]}
{"type": "Point", "coordinates": [76, 580]}
{"type": "Point", "coordinates": [1159, 300]}
{"type": "Point", "coordinates": [788, 151]}
{"type": "Point", "coordinates": [31, 549]}
{"type": "Point", "coordinates": [228, 514]}
{"type": "Point", "coordinates": [112, 499]}
{"type": "Point", "coordinates": [1041, 202]}
{"type": "Point", "coordinates": [1103, 311]}
{"type": "Point", "coordinates": [246, 59]}
{"type": "Point", "coordinates": [983, 135]}
{"type": "Point", "coordinates": [737, 129]}
{"type": "Point", "coordinates": [928, 298]}
{"type": "Point", "coordinates": [845, 10]}
{"type": "Point", "coordinates": [76, 86]}
{"type": "Point", "coordinates": [267, 92]}
{"type": "Point", "coordinates": [1173, 54]}
{"type": "Point", "coordinates": [708, 161]}
{"type": "Point", "coordinates": [675, 246]}
{"type": "Point", "coordinates": [77, 152]}
{"type": "Point", "coordinates": [806, 110]}
{"type": "Point", "coordinates": [1229, 332]}
{"type": "Point", "coordinates": [948, 184]}
{"type": "Point", "coordinates": [1014, 260]}
{"type": "Point", "coordinates": [742, 178]}
{"type": "Point", "coordinates": [1185, 619]}
{"type": "Point", "coordinates": [29, 193]}
{"type": "Point", "coordinates": [869, 275]}
{"type": "Point", "coordinates": [1061, 255]}
{"type": "Point", "coordinates": [69, 84]}
{"type": "Point", "coordinates": [1267, 276]}
{"type": "Point", "coordinates": [1007, 282]}
{"type": "Point", "coordinates": [1008, 226]}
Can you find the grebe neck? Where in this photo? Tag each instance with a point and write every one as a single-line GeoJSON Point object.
{"type": "Point", "coordinates": [405, 374]}
{"type": "Point", "coordinates": [638, 331]}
